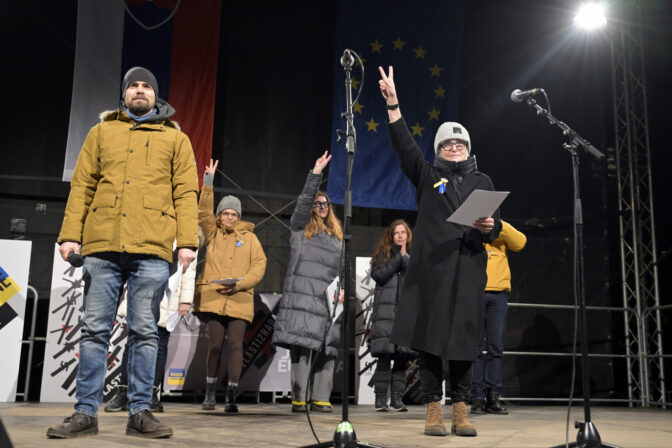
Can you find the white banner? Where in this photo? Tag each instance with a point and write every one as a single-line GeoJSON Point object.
{"type": "Point", "coordinates": [61, 355]}
{"type": "Point", "coordinates": [265, 368]}
{"type": "Point", "coordinates": [364, 288]}
{"type": "Point", "coordinates": [96, 82]}
{"type": "Point", "coordinates": [14, 268]}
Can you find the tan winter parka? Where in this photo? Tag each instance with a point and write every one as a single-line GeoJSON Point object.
{"type": "Point", "coordinates": [134, 189]}
{"type": "Point", "coordinates": [231, 253]}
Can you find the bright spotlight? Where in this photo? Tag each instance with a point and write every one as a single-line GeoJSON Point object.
{"type": "Point", "coordinates": [590, 16]}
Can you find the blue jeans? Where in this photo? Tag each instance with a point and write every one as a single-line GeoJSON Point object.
{"type": "Point", "coordinates": [488, 367]}
{"type": "Point", "coordinates": [104, 276]}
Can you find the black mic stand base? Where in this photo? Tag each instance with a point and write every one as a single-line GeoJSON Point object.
{"type": "Point", "coordinates": [587, 437]}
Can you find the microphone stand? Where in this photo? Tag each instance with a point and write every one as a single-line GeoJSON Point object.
{"type": "Point", "coordinates": [345, 436]}
{"type": "Point", "coordinates": [587, 437]}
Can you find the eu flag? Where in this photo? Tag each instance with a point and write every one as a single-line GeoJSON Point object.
{"type": "Point", "coordinates": [422, 41]}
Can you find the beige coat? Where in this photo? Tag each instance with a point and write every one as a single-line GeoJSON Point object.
{"type": "Point", "coordinates": [134, 189]}
{"type": "Point", "coordinates": [231, 253]}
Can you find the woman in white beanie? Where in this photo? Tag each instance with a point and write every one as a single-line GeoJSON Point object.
{"type": "Point", "coordinates": [442, 294]}
{"type": "Point", "coordinates": [233, 252]}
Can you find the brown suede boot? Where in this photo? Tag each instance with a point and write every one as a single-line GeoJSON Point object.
{"type": "Point", "coordinates": [434, 423]}
{"type": "Point", "coordinates": [461, 425]}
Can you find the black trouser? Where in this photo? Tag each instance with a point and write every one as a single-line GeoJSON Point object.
{"type": "Point", "coordinates": [233, 329]}
{"type": "Point", "coordinates": [431, 376]}
{"type": "Point", "coordinates": [390, 370]}
{"type": "Point", "coordinates": [161, 356]}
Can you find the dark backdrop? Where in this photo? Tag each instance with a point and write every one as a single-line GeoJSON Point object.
{"type": "Point", "coordinates": [273, 118]}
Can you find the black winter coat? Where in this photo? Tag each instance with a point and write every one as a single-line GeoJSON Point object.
{"type": "Point", "coordinates": [388, 277]}
{"type": "Point", "coordinates": [441, 303]}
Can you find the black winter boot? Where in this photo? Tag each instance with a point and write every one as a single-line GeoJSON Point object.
{"type": "Point", "coordinates": [210, 398]}
{"type": "Point", "coordinates": [494, 406]}
{"type": "Point", "coordinates": [119, 402]}
{"type": "Point", "coordinates": [380, 404]}
{"type": "Point", "coordinates": [398, 386]}
{"type": "Point", "coordinates": [478, 406]}
{"type": "Point", "coordinates": [231, 399]}
{"type": "Point", "coordinates": [155, 404]}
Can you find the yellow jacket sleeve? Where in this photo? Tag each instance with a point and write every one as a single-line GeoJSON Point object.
{"type": "Point", "coordinates": [185, 192]}
{"type": "Point", "coordinates": [257, 266]}
{"type": "Point", "coordinates": [82, 189]}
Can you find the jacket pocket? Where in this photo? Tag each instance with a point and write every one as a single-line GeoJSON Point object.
{"type": "Point", "coordinates": [101, 219]}
{"type": "Point", "coordinates": [159, 219]}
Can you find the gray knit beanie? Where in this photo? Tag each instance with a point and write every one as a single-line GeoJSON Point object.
{"type": "Point", "coordinates": [231, 202]}
{"type": "Point", "coordinates": [139, 74]}
{"type": "Point", "coordinates": [449, 131]}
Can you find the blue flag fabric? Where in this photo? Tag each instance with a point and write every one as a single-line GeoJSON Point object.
{"type": "Point", "coordinates": [422, 41]}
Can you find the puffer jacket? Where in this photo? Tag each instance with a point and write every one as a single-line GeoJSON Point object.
{"type": "Point", "coordinates": [134, 188]}
{"type": "Point", "coordinates": [171, 299]}
{"type": "Point", "coordinates": [388, 277]}
{"type": "Point", "coordinates": [303, 314]}
{"type": "Point", "coordinates": [231, 253]}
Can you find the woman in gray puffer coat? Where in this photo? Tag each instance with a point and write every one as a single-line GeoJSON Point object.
{"type": "Point", "coordinates": [388, 266]}
{"type": "Point", "coordinates": [303, 317]}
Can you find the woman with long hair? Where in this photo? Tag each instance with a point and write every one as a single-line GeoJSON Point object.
{"type": "Point", "coordinates": [388, 266]}
{"type": "Point", "coordinates": [233, 253]}
{"type": "Point", "coordinates": [303, 317]}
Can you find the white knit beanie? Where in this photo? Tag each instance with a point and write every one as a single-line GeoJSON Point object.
{"type": "Point", "coordinates": [449, 131]}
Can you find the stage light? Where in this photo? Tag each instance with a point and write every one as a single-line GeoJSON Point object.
{"type": "Point", "coordinates": [590, 16]}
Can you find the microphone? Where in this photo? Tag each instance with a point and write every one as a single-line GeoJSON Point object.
{"type": "Point", "coordinates": [75, 260]}
{"type": "Point", "coordinates": [347, 61]}
{"type": "Point", "coordinates": [519, 95]}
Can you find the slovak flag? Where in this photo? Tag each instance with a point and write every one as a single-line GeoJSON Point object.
{"type": "Point", "coordinates": [177, 40]}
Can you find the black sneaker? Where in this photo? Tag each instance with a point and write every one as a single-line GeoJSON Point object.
{"type": "Point", "coordinates": [144, 424]}
{"type": "Point", "coordinates": [77, 425]}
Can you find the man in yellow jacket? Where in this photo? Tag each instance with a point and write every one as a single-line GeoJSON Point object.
{"type": "Point", "coordinates": [487, 373]}
{"type": "Point", "coordinates": [133, 192]}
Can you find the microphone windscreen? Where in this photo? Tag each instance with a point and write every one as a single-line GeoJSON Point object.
{"type": "Point", "coordinates": [75, 260]}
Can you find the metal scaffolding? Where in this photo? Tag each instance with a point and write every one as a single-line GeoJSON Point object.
{"type": "Point", "coordinates": [643, 337]}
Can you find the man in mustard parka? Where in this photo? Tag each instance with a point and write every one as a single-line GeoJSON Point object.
{"type": "Point", "coordinates": [133, 192]}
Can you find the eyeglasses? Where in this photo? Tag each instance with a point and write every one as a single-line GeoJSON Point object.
{"type": "Point", "coordinates": [445, 146]}
{"type": "Point", "coordinates": [229, 214]}
{"type": "Point", "coordinates": [320, 204]}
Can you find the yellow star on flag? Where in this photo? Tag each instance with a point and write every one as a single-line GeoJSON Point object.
{"type": "Point", "coordinates": [372, 125]}
{"type": "Point", "coordinates": [357, 60]}
{"type": "Point", "coordinates": [439, 92]}
{"type": "Point", "coordinates": [355, 83]}
{"type": "Point", "coordinates": [376, 46]}
{"type": "Point", "coordinates": [417, 129]}
{"type": "Point", "coordinates": [357, 107]}
{"type": "Point", "coordinates": [436, 70]}
{"type": "Point", "coordinates": [433, 114]}
{"type": "Point", "coordinates": [420, 52]}
{"type": "Point", "coordinates": [398, 44]}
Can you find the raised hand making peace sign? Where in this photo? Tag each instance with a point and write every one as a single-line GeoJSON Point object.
{"type": "Point", "coordinates": [389, 92]}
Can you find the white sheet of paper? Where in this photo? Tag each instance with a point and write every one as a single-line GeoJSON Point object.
{"type": "Point", "coordinates": [173, 283]}
{"type": "Point", "coordinates": [227, 281]}
{"type": "Point", "coordinates": [331, 292]}
{"type": "Point", "coordinates": [479, 204]}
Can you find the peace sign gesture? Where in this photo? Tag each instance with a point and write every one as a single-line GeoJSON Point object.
{"type": "Point", "coordinates": [321, 163]}
{"type": "Point", "coordinates": [387, 88]}
{"type": "Point", "coordinates": [211, 168]}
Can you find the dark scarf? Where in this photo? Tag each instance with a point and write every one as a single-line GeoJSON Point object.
{"type": "Point", "coordinates": [455, 171]}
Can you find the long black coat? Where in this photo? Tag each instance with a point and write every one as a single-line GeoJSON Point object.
{"type": "Point", "coordinates": [388, 277]}
{"type": "Point", "coordinates": [441, 303]}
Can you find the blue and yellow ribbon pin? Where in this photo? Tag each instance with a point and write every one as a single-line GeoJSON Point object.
{"type": "Point", "coordinates": [442, 185]}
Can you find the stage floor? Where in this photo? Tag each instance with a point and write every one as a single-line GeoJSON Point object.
{"type": "Point", "coordinates": [273, 425]}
